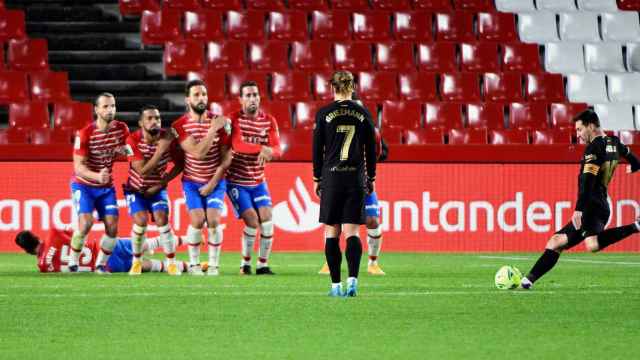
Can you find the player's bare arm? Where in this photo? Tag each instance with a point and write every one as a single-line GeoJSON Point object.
{"type": "Point", "coordinates": [81, 169]}
{"type": "Point", "coordinates": [200, 149]}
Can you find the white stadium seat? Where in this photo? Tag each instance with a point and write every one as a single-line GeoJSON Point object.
{"type": "Point", "coordinates": [636, 110]}
{"type": "Point", "coordinates": [615, 116]}
{"type": "Point", "coordinates": [538, 27]}
{"type": "Point", "coordinates": [557, 5]}
{"type": "Point", "coordinates": [598, 5]}
{"type": "Point", "coordinates": [588, 87]}
{"type": "Point", "coordinates": [624, 87]}
{"type": "Point", "coordinates": [579, 26]}
{"type": "Point", "coordinates": [561, 57]}
{"type": "Point", "coordinates": [633, 56]}
{"type": "Point", "coordinates": [515, 5]}
{"type": "Point", "coordinates": [604, 57]}
{"type": "Point", "coordinates": [621, 26]}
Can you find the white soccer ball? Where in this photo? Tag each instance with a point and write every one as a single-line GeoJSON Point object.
{"type": "Point", "coordinates": [508, 277]}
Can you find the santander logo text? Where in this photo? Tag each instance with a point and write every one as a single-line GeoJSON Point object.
{"type": "Point", "coordinates": [300, 213]}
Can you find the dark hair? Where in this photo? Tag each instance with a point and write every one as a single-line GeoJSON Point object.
{"type": "Point", "coordinates": [145, 108]}
{"type": "Point", "coordinates": [27, 241]}
{"type": "Point", "coordinates": [247, 83]}
{"type": "Point", "coordinates": [192, 83]}
{"type": "Point", "coordinates": [103, 94]}
{"type": "Point", "coordinates": [588, 117]}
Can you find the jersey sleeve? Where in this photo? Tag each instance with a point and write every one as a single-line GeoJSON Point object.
{"type": "Point", "coordinates": [318, 147]}
{"type": "Point", "coordinates": [274, 138]}
{"type": "Point", "coordinates": [178, 129]}
{"type": "Point", "coordinates": [81, 143]}
{"type": "Point", "coordinates": [133, 152]}
{"type": "Point", "coordinates": [626, 153]}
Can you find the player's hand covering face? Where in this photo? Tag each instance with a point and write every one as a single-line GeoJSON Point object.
{"type": "Point", "coordinates": [198, 99]}
{"type": "Point", "coordinates": [250, 99]}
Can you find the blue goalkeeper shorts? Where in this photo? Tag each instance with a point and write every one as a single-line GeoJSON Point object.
{"type": "Point", "coordinates": [371, 206]}
{"type": "Point", "coordinates": [121, 257]}
{"type": "Point", "coordinates": [248, 197]}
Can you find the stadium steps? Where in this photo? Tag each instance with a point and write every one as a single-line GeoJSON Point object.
{"type": "Point", "coordinates": [107, 72]}
{"type": "Point", "coordinates": [104, 57]}
{"type": "Point", "coordinates": [81, 27]}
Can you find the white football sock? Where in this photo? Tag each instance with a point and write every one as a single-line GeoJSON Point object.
{"type": "Point", "coordinates": [77, 242]}
{"type": "Point", "coordinates": [168, 242]}
{"type": "Point", "coordinates": [266, 242]}
{"type": "Point", "coordinates": [137, 239]}
{"type": "Point", "coordinates": [107, 243]}
{"type": "Point", "coordinates": [215, 245]}
{"type": "Point", "coordinates": [374, 242]}
{"type": "Point", "coordinates": [248, 239]}
{"type": "Point", "coordinates": [194, 238]}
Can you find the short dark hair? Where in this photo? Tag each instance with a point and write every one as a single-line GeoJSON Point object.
{"type": "Point", "coordinates": [145, 108]}
{"type": "Point", "coordinates": [103, 94]}
{"type": "Point", "coordinates": [27, 241]}
{"type": "Point", "coordinates": [248, 83]}
{"type": "Point", "coordinates": [192, 83]}
{"type": "Point", "coordinates": [588, 117]}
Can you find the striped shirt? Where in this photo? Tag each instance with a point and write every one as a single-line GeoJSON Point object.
{"type": "Point", "coordinates": [200, 171]}
{"type": "Point", "coordinates": [141, 150]}
{"type": "Point", "coordinates": [100, 148]}
{"type": "Point", "coordinates": [248, 137]}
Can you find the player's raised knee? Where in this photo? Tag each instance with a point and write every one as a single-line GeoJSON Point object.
{"type": "Point", "coordinates": [592, 244]}
{"type": "Point", "coordinates": [556, 242]}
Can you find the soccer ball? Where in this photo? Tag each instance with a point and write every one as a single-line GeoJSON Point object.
{"type": "Point", "coordinates": [508, 277]}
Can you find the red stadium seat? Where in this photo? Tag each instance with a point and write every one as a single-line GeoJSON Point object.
{"type": "Point", "coordinates": [459, 87]}
{"type": "Point", "coordinates": [269, 55]}
{"type": "Point", "coordinates": [393, 135]}
{"type": "Point", "coordinates": [500, 27]}
{"type": "Point", "coordinates": [321, 87]}
{"type": "Point", "coordinates": [352, 56]}
{"type": "Point", "coordinates": [214, 81]}
{"type": "Point", "coordinates": [521, 57]}
{"type": "Point", "coordinates": [290, 86]}
{"type": "Point", "coordinates": [2, 64]}
{"type": "Point", "coordinates": [295, 137]}
{"type": "Point", "coordinates": [72, 115]}
{"type": "Point", "coordinates": [245, 25]}
{"type": "Point", "coordinates": [505, 87]}
{"type": "Point", "coordinates": [158, 27]}
{"type": "Point", "coordinates": [289, 26]}
{"type": "Point", "coordinates": [234, 79]}
{"type": "Point", "coordinates": [280, 110]}
{"type": "Point", "coordinates": [434, 5]}
{"type": "Point", "coordinates": [424, 136]}
{"type": "Point", "coordinates": [14, 136]}
{"type": "Point", "coordinates": [13, 87]}
{"type": "Point", "coordinates": [412, 26]}
{"type": "Point", "coordinates": [12, 25]}
{"type": "Point", "coordinates": [481, 57]}
{"type": "Point", "coordinates": [552, 136]}
{"type": "Point", "coordinates": [455, 26]}
{"type": "Point", "coordinates": [473, 5]}
{"type": "Point", "coordinates": [528, 116]}
{"type": "Point", "coordinates": [417, 86]}
{"type": "Point", "coordinates": [136, 7]}
{"type": "Point", "coordinates": [306, 113]}
{"type": "Point", "coordinates": [396, 56]}
{"type": "Point", "coordinates": [562, 114]}
{"type": "Point", "coordinates": [377, 86]}
{"type": "Point", "coordinates": [224, 107]}
{"type": "Point", "coordinates": [468, 136]}
{"type": "Point", "coordinates": [401, 114]}
{"type": "Point", "coordinates": [311, 56]}
{"type": "Point", "coordinates": [330, 25]}
{"type": "Point", "coordinates": [349, 4]}
{"type": "Point", "coordinates": [44, 136]}
{"type": "Point", "coordinates": [544, 87]}
{"type": "Point", "coordinates": [629, 137]}
{"type": "Point", "coordinates": [437, 57]}
{"type": "Point", "coordinates": [503, 137]}
{"type": "Point", "coordinates": [223, 4]}
{"type": "Point", "coordinates": [392, 5]}
{"type": "Point", "coordinates": [443, 116]}
{"type": "Point", "coordinates": [308, 4]}
{"type": "Point", "coordinates": [204, 25]}
{"type": "Point", "coordinates": [633, 5]}
{"type": "Point", "coordinates": [371, 26]}
{"type": "Point", "coordinates": [485, 115]}
{"type": "Point", "coordinates": [28, 54]}
{"type": "Point", "coordinates": [33, 114]}
{"type": "Point", "coordinates": [184, 5]}
{"type": "Point", "coordinates": [182, 56]}
{"type": "Point", "coordinates": [226, 55]}
{"type": "Point", "coordinates": [265, 4]}
{"type": "Point", "coordinates": [49, 86]}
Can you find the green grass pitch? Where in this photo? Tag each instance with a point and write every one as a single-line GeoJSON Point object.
{"type": "Point", "coordinates": [428, 306]}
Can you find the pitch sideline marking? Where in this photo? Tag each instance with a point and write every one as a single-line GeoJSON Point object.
{"type": "Point", "coordinates": [523, 258]}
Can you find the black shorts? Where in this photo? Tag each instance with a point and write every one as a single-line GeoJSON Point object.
{"type": "Point", "coordinates": [342, 206]}
{"type": "Point", "coordinates": [593, 223]}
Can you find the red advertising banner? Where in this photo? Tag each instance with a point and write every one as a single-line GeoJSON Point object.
{"type": "Point", "coordinates": [425, 207]}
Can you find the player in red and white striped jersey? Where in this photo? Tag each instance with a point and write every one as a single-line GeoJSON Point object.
{"type": "Point", "coordinates": [96, 147]}
{"type": "Point", "coordinates": [150, 149]}
{"type": "Point", "coordinates": [205, 139]}
{"type": "Point", "coordinates": [255, 141]}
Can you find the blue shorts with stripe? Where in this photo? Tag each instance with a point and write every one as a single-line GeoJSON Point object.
{"type": "Point", "coordinates": [248, 197]}
{"type": "Point", "coordinates": [215, 200]}
{"type": "Point", "coordinates": [157, 202]}
{"type": "Point", "coordinates": [371, 206]}
{"type": "Point", "coordinates": [88, 198]}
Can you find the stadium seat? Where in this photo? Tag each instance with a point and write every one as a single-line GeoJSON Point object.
{"type": "Point", "coordinates": [72, 115]}
{"type": "Point", "coordinates": [604, 57]}
{"type": "Point", "coordinates": [28, 54]}
{"type": "Point", "coordinates": [537, 27]}
{"type": "Point", "coordinates": [203, 25]}
{"type": "Point", "coordinates": [615, 116]}
{"type": "Point", "coordinates": [500, 27]}
{"type": "Point", "coordinates": [544, 87]}
{"type": "Point", "coordinates": [136, 7]}
{"type": "Point", "coordinates": [321, 87]}
{"type": "Point", "coordinates": [401, 114]}
{"type": "Point", "coordinates": [460, 87]}
{"type": "Point", "coordinates": [505, 137]}
{"type": "Point", "coordinates": [557, 5]}
{"type": "Point", "coordinates": [215, 82]}
{"type": "Point", "coordinates": [311, 55]}
{"type": "Point", "coordinates": [412, 26]}
{"type": "Point", "coordinates": [223, 4]}
{"type": "Point", "coordinates": [49, 86]}
{"type": "Point", "coordinates": [226, 55]}
{"type": "Point", "coordinates": [479, 57]}
{"type": "Point", "coordinates": [45, 136]}
{"type": "Point", "coordinates": [269, 5]}
{"type": "Point", "coordinates": [14, 136]}
{"type": "Point", "coordinates": [562, 114]}
{"type": "Point", "coordinates": [579, 26]}
{"type": "Point", "coordinates": [352, 56]}
{"type": "Point", "coordinates": [225, 107]}
{"type": "Point", "coordinates": [288, 26]}
{"type": "Point", "coordinates": [377, 86]}
{"type": "Point", "coordinates": [564, 57]}
{"type": "Point", "coordinates": [520, 57]}
{"type": "Point", "coordinates": [34, 114]}
{"type": "Point", "coordinates": [371, 26]}
{"type": "Point", "coordinates": [633, 57]}
{"type": "Point", "coordinates": [269, 56]}
{"type": "Point", "coordinates": [290, 86]}
{"type": "Point", "coordinates": [437, 57]}
{"type": "Point", "coordinates": [589, 88]}
{"type": "Point", "coordinates": [280, 110]}
{"type": "Point", "coordinates": [305, 113]}
{"type": "Point", "coordinates": [330, 25]}
{"type": "Point", "coordinates": [552, 136]}
{"type": "Point", "coordinates": [182, 56]}
{"type": "Point", "coordinates": [395, 56]}
{"type": "Point", "coordinates": [295, 137]}
{"type": "Point", "coordinates": [455, 26]}
{"type": "Point", "coordinates": [629, 137]}
{"type": "Point", "coordinates": [349, 4]}
{"type": "Point", "coordinates": [621, 26]}
{"type": "Point", "coordinates": [473, 5]}
{"type": "Point", "coordinates": [13, 87]}
{"type": "Point", "coordinates": [624, 87]}
{"type": "Point", "coordinates": [502, 87]}
{"type": "Point", "coordinates": [485, 115]}
{"type": "Point", "coordinates": [158, 27]}
{"type": "Point", "coordinates": [597, 5]}
{"type": "Point", "coordinates": [12, 25]}
{"type": "Point", "coordinates": [390, 5]}
{"type": "Point", "coordinates": [633, 5]}
{"type": "Point", "coordinates": [528, 116]}
{"type": "Point", "coordinates": [308, 5]}
{"type": "Point", "coordinates": [417, 86]}
{"type": "Point", "coordinates": [424, 136]}
{"type": "Point", "coordinates": [515, 6]}
{"type": "Point", "coordinates": [393, 135]}
{"type": "Point", "coordinates": [443, 115]}
{"type": "Point", "coordinates": [184, 5]}
{"type": "Point", "coordinates": [468, 136]}
{"type": "Point", "coordinates": [234, 79]}
{"type": "Point", "coordinates": [245, 25]}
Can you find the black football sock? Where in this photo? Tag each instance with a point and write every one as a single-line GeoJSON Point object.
{"type": "Point", "coordinates": [334, 258]}
{"type": "Point", "coordinates": [612, 236]}
{"type": "Point", "coordinates": [354, 254]}
{"type": "Point", "coordinates": [546, 262]}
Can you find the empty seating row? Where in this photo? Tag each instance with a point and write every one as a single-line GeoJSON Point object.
{"type": "Point", "coordinates": [571, 57]}
{"type": "Point", "coordinates": [25, 54]}
{"type": "Point", "coordinates": [565, 5]}
{"type": "Point", "coordinates": [18, 86]}
{"type": "Point", "coordinates": [70, 115]}
{"type": "Point", "coordinates": [600, 88]}
{"type": "Point", "coordinates": [12, 24]}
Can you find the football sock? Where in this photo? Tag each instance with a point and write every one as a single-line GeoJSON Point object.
{"type": "Point", "coordinates": [546, 262]}
{"type": "Point", "coordinates": [334, 258]}
{"type": "Point", "coordinates": [77, 242]}
{"type": "Point", "coordinates": [107, 243]}
{"type": "Point", "coordinates": [612, 236]}
{"type": "Point", "coordinates": [194, 238]}
{"type": "Point", "coordinates": [150, 244]}
{"type": "Point", "coordinates": [137, 238]}
{"type": "Point", "coordinates": [353, 253]}
{"type": "Point", "coordinates": [374, 241]}
{"type": "Point", "coordinates": [266, 241]}
{"type": "Point", "coordinates": [168, 241]}
{"type": "Point", "coordinates": [248, 238]}
{"type": "Point", "coordinates": [215, 245]}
